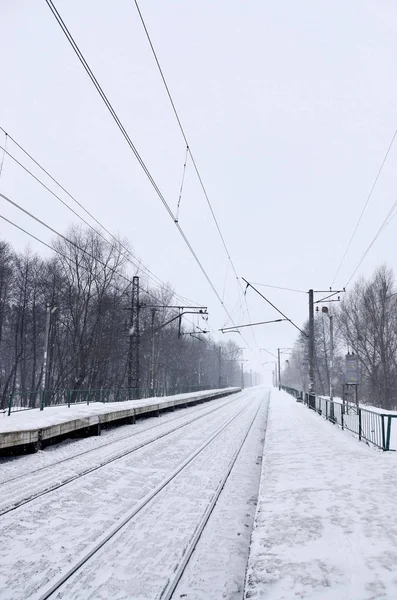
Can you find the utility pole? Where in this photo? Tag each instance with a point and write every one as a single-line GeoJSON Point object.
{"type": "Point", "coordinates": [50, 311]}
{"type": "Point", "coordinates": [311, 342]}
{"type": "Point", "coordinates": [134, 378]}
{"type": "Point", "coordinates": [220, 367]}
{"type": "Point", "coordinates": [133, 354]}
{"type": "Point", "coordinates": [331, 345]}
{"type": "Point", "coordinates": [279, 367]}
{"type": "Point", "coordinates": [331, 367]}
{"type": "Point", "coordinates": [153, 353]}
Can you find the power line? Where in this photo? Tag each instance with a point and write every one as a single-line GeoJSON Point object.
{"type": "Point", "coordinates": [67, 258]}
{"type": "Point", "coordinates": [276, 287]}
{"type": "Point", "coordinates": [182, 183]}
{"type": "Point", "coordinates": [188, 147]}
{"type": "Point", "coordinates": [365, 206]}
{"type": "Point", "coordinates": [184, 134]}
{"type": "Point", "coordinates": [130, 143]}
{"type": "Point", "coordinates": [132, 147]}
{"type": "Point", "coordinates": [274, 306]}
{"type": "Point", "coordinates": [252, 324]}
{"type": "Point", "coordinates": [385, 222]}
{"type": "Point", "coordinates": [4, 154]}
{"type": "Point", "coordinates": [268, 351]}
{"type": "Point", "coordinates": [31, 235]}
{"type": "Point", "coordinates": [156, 280]}
{"type": "Point", "coordinates": [66, 239]}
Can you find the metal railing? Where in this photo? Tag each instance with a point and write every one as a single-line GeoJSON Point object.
{"type": "Point", "coordinates": [368, 425]}
{"type": "Point", "coordinates": [29, 400]}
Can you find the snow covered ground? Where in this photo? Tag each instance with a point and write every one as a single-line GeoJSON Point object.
{"type": "Point", "coordinates": [52, 469]}
{"type": "Point", "coordinates": [54, 415]}
{"type": "Point", "coordinates": [41, 540]}
{"type": "Point", "coordinates": [326, 526]}
{"type": "Point", "coordinates": [218, 564]}
{"type": "Point", "coordinates": [110, 442]}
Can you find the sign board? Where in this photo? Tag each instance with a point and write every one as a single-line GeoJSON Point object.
{"type": "Point", "coordinates": [351, 369]}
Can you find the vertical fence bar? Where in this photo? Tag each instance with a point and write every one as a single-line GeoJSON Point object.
{"type": "Point", "coordinates": [389, 418]}
{"type": "Point", "coordinates": [383, 433]}
{"type": "Point", "coordinates": [10, 404]}
{"type": "Point", "coordinates": [359, 424]}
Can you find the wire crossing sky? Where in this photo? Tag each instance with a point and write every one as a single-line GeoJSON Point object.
{"type": "Point", "coordinates": [287, 108]}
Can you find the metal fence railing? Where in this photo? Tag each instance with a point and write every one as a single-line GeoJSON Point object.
{"type": "Point", "coordinates": [40, 399]}
{"type": "Point", "coordinates": [368, 425]}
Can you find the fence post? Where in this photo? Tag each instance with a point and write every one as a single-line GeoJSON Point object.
{"type": "Point", "coordinates": [326, 410]}
{"type": "Point", "coordinates": [10, 404]}
{"type": "Point", "coordinates": [359, 423]}
{"type": "Point", "coordinates": [42, 400]}
{"type": "Point", "coordinates": [342, 412]}
{"type": "Point", "coordinates": [68, 394]}
{"type": "Point", "coordinates": [389, 419]}
{"type": "Point", "coordinates": [383, 433]}
{"type": "Point", "coordinates": [332, 411]}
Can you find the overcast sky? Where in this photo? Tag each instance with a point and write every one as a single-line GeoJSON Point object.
{"type": "Point", "coordinates": [288, 106]}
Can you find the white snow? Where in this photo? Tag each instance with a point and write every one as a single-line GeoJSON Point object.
{"type": "Point", "coordinates": [42, 539]}
{"type": "Point", "coordinates": [55, 415]}
{"type": "Point", "coordinates": [110, 440]}
{"type": "Point", "coordinates": [25, 477]}
{"type": "Point", "coordinates": [217, 567]}
{"type": "Point", "coordinates": [326, 526]}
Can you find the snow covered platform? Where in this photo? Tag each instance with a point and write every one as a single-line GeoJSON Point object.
{"type": "Point", "coordinates": [31, 428]}
{"type": "Point", "coordinates": [325, 526]}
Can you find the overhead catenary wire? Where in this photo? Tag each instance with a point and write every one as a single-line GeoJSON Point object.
{"type": "Point", "coordinates": [194, 163]}
{"type": "Point", "coordinates": [365, 206]}
{"type": "Point", "coordinates": [70, 260]}
{"type": "Point", "coordinates": [119, 124]}
{"type": "Point", "coordinates": [4, 153]}
{"type": "Point", "coordinates": [275, 307]}
{"type": "Point", "coordinates": [66, 239]}
{"type": "Point", "coordinates": [384, 223]}
{"type": "Point", "coordinates": [184, 135]}
{"type": "Point", "coordinates": [134, 260]}
{"type": "Point", "coordinates": [182, 183]}
{"type": "Point", "coordinates": [277, 287]}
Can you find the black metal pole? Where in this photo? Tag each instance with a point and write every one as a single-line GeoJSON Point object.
{"type": "Point", "coordinates": [220, 367]}
{"type": "Point", "coordinates": [279, 368]}
{"type": "Point", "coordinates": [311, 342]}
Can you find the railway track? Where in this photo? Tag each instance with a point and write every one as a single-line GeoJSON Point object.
{"type": "Point", "coordinates": [169, 590]}
{"type": "Point", "coordinates": [24, 478]}
{"type": "Point", "coordinates": [106, 444]}
{"type": "Point", "coordinates": [101, 544]}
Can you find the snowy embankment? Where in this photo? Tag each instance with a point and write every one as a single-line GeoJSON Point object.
{"type": "Point", "coordinates": [55, 415]}
{"type": "Point", "coordinates": [121, 531]}
{"type": "Point", "coordinates": [325, 525]}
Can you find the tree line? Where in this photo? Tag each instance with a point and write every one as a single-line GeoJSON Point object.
{"type": "Point", "coordinates": [365, 323]}
{"type": "Point", "coordinates": [85, 278]}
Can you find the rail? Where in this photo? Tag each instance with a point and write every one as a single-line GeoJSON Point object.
{"type": "Point", "coordinates": [368, 425]}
